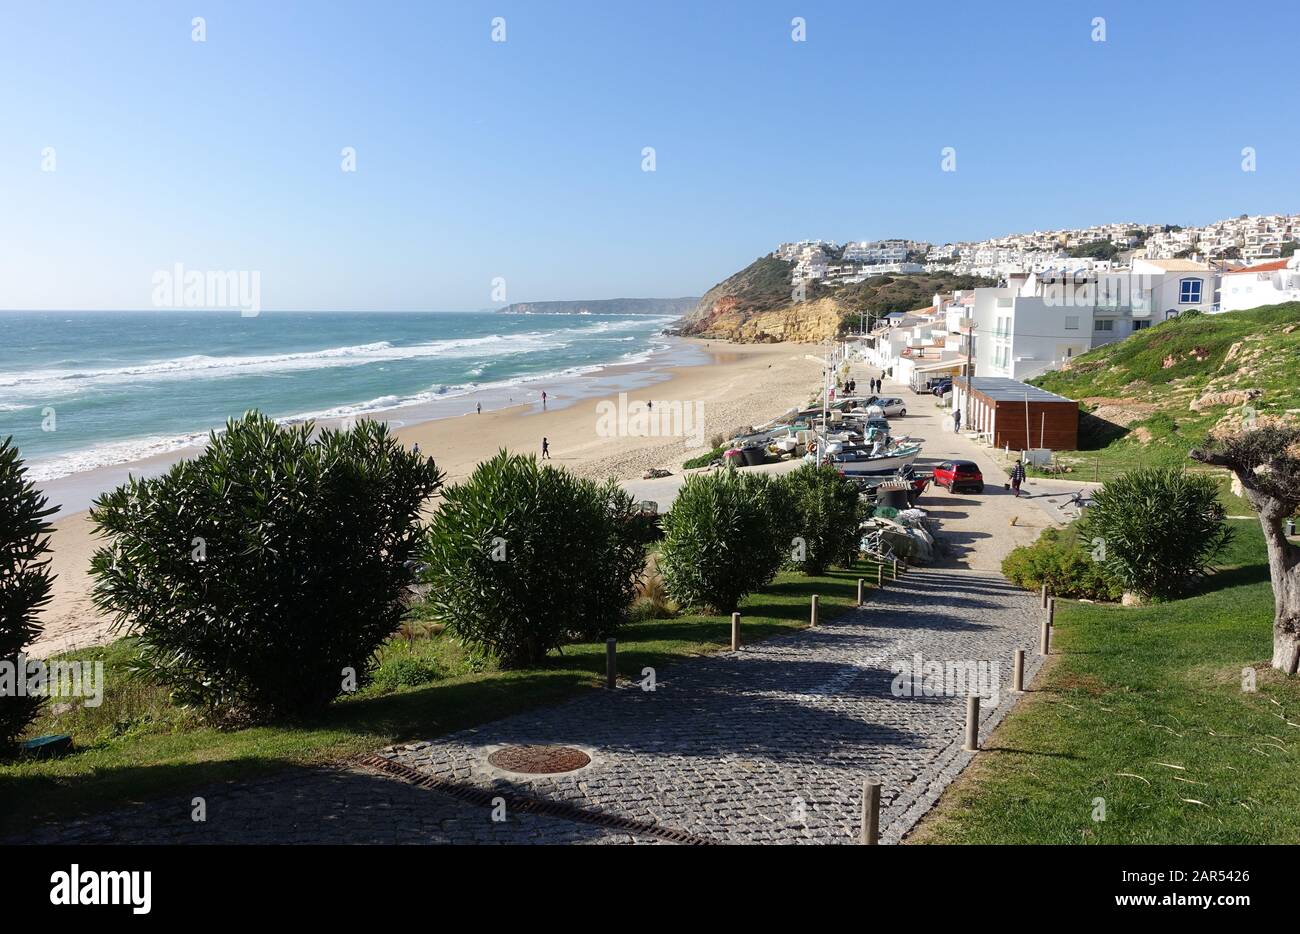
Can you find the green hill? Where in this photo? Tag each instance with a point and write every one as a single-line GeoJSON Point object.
{"type": "Point", "coordinates": [1156, 394]}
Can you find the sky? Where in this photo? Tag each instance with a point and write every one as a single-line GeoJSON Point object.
{"type": "Point", "coordinates": [520, 163]}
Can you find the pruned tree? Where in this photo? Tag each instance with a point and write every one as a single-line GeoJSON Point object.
{"type": "Point", "coordinates": [1266, 459]}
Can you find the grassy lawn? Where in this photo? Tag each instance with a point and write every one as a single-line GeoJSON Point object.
{"type": "Point", "coordinates": [1144, 707]}
{"type": "Point", "coordinates": [138, 745]}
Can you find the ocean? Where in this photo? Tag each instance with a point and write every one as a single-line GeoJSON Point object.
{"type": "Point", "coordinates": [86, 390]}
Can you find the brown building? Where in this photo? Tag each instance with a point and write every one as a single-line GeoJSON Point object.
{"type": "Point", "coordinates": [1016, 415]}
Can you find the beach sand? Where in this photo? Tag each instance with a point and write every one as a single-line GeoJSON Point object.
{"type": "Point", "coordinates": [740, 385]}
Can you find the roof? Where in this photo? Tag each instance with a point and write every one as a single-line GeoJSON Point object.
{"type": "Point", "coordinates": [1177, 265]}
{"type": "Point", "coordinates": [1002, 389]}
{"type": "Point", "coordinates": [1262, 267]}
{"type": "Point", "coordinates": [939, 365]}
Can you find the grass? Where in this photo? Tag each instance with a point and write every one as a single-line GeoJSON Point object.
{"type": "Point", "coordinates": [138, 745]}
{"type": "Point", "coordinates": [1144, 708]}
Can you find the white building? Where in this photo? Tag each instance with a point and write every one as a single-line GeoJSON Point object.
{"type": "Point", "coordinates": [1266, 284]}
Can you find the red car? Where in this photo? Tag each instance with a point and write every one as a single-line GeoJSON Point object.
{"type": "Point", "coordinates": [959, 475]}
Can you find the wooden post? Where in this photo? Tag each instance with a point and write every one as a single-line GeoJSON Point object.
{"type": "Point", "coordinates": [1051, 611]}
{"type": "Point", "coordinates": [611, 663]}
{"type": "Point", "coordinates": [862, 584]}
{"type": "Point", "coordinates": [1044, 596]}
{"type": "Point", "coordinates": [735, 632]}
{"type": "Point", "coordinates": [1045, 638]}
{"type": "Point", "coordinates": [1018, 672]}
{"type": "Point", "coordinates": [870, 832]}
{"type": "Point", "coordinates": [880, 575]}
{"type": "Point", "coordinates": [812, 618]}
{"type": "Point", "coordinates": [972, 722]}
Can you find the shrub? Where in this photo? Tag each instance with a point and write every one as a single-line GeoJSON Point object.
{"type": "Point", "coordinates": [724, 537]}
{"type": "Point", "coordinates": [523, 557]}
{"type": "Point", "coordinates": [703, 460]}
{"type": "Point", "coordinates": [1057, 560]}
{"type": "Point", "coordinates": [25, 581]}
{"type": "Point", "coordinates": [1160, 529]}
{"type": "Point", "coordinates": [255, 574]}
{"type": "Point", "coordinates": [827, 513]}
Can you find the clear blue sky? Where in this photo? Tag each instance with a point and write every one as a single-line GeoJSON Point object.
{"type": "Point", "coordinates": [522, 159]}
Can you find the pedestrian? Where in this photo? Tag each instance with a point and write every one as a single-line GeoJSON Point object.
{"type": "Point", "coordinates": [956, 421]}
{"type": "Point", "coordinates": [415, 448]}
{"type": "Point", "coordinates": [478, 407]}
{"type": "Point", "coordinates": [1017, 475]}
{"type": "Point", "coordinates": [543, 398]}
{"type": "Point", "coordinates": [546, 450]}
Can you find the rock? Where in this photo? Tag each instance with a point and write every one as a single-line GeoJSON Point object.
{"type": "Point", "coordinates": [1130, 599]}
{"type": "Point", "coordinates": [1228, 397]}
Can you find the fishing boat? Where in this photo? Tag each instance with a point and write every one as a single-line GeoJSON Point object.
{"type": "Point", "coordinates": [854, 461]}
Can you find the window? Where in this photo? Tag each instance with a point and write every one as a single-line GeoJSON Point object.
{"type": "Point", "coordinates": [1103, 324]}
{"type": "Point", "coordinates": [1139, 325]}
{"type": "Point", "coordinates": [1189, 291]}
{"type": "Point", "coordinates": [1072, 322]}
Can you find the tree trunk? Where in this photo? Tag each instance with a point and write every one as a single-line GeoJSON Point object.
{"type": "Point", "coordinates": [1283, 561]}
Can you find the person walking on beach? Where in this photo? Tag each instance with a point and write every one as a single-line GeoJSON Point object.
{"type": "Point", "coordinates": [543, 399]}
{"type": "Point", "coordinates": [478, 408]}
{"type": "Point", "coordinates": [546, 450]}
{"type": "Point", "coordinates": [1017, 476]}
{"type": "Point", "coordinates": [415, 448]}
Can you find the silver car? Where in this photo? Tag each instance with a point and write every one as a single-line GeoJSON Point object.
{"type": "Point", "coordinates": [891, 406]}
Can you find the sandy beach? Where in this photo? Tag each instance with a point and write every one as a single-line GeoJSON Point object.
{"type": "Point", "coordinates": [738, 385]}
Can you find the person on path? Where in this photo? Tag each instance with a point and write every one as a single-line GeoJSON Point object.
{"type": "Point", "coordinates": [956, 421]}
{"type": "Point", "coordinates": [1017, 476]}
{"type": "Point", "coordinates": [546, 450]}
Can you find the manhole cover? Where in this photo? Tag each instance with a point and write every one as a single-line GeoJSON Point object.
{"type": "Point", "coordinates": [539, 760]}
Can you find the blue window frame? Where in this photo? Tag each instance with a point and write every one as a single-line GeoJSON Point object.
{"type": "Point", "coordinates": [1189, 292]}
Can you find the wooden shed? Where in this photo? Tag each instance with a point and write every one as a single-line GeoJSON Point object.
{"type": "Point", "coordinates": [1016, 415]}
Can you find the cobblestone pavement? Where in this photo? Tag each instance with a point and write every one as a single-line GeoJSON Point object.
{"type": "Point", "coordinates": [771, 744]}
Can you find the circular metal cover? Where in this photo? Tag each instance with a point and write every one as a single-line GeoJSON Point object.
{"type": "Point", "coordinates": [539, 760]}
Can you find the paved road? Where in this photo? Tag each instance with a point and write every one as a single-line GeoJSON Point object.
{"type": "Point", "coordinates": [770, 744]}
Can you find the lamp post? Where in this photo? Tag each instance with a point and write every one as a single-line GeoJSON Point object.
{"type": "Point", "coordinates": [826, 380]}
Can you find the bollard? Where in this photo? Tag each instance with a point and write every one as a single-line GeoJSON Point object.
{"type": "Point", "coordinates": [1044, 596]}
{"type": "Point", "coordinates": [870, 832]}
{"type": "Point", "coordinates": [735, 632]}
{"type": "Point", "coordinates": [972, 723]}
{"type": "Point", "coordinates": [862, 583]}
{"type": "Point", "coordinates": [1045, 639]}
{"type": "Point", "coordinates": [1051, 611]}
{"type": "Point", "coordinates": [611, 663]}
{"type": "Point", "coordinates": [812, 619]}
{"type": "Point", "coordinates": [1018, 672]}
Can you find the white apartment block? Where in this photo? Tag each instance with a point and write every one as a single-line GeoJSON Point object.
{"type": "Point", "coordinates": [1265, 284]}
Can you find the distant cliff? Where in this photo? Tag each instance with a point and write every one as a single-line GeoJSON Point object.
{"type": "Point", "coordinates": [756, 305]}
{"type": "Point", "coordinates": [605, 306]}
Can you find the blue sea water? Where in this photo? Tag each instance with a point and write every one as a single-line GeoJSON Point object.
{"type": "Point", "coordinates": [81, 390]}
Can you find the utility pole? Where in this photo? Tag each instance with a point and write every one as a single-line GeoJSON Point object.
{"type": "Point", "coordinates": [970, 372]}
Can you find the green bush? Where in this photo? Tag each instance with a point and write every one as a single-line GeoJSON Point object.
{"type": "Point", "coordinates": [524, 557]}
{"type": "Point", "coordinates": [827, 514]}
{"type": "Point", "coordinates": [1057, 560]}
{"type": "Point", "coordinates": [703, 460]}
{"type": "Point", "coordinates": [258, 573]}
{"type": "Point", "coordinates": [726, 535]}
{"type": "Point", "coordinates": [25, 581]}
{"type": "Point", "coordinates": [406, 671]}
{"type": "Point", "coordinates": [1160, 529]}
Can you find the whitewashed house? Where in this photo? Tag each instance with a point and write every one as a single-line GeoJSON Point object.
{"type": "Point", "coordinates": [1265, 284]}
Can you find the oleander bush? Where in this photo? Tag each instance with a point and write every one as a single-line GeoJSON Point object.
{"type": "Point", "coordinates": [25, 582]}
{"type": "Point", "coordinates": [1160, 529]}
{"type": "Point", "coordinates": [261, 576]}
{"type": "Point", "coordinates": [523, 557]}
{"type": "Point", "coordinates": [827, 512]}
{"type": "Point", "coordinates": [1058, 560]}
{"type": "Point", "coordinates": [726, 536]}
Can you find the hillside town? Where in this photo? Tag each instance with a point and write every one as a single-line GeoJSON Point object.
{"type": "Point", "coordinates": [1059, 293]}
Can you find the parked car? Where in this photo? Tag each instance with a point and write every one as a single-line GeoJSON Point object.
{"type": "Point", "coordinates": [959, 475]}
{"type": "Point", "coordinates": [891, 406]}
{"type": "Point", "coordinates": [941, 386]}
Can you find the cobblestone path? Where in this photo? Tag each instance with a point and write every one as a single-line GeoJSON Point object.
{"type": "Point", "coordinates": [770, 744]}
